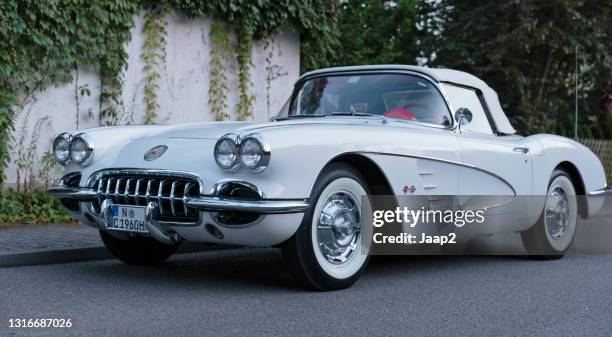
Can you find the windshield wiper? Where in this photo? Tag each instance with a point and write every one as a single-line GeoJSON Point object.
{"type": "Point", "coordinates": [337, 113]}
{"type": "Point", "coordinates": [382, 118]}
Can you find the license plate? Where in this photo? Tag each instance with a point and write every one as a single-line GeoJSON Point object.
{"type": "Point", "coordinates": [127, 219]}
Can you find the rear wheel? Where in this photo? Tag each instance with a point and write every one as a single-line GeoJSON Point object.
{"type": "Point", "coordinates": [553, 234]}
{"type": "Point", "coordinates": [139, 250]}
{"type": "Point", "coordinates": [326, 253]}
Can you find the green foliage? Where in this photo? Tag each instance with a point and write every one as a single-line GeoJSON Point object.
{"type": "Point", "coordinates": [243, 55]}
{"type": "Point", "coordinates": [376, 32]}
{"type": "Point", "coordinates": [31, 206]}
{"type": "Point", "coordinates": [315, 19]}
{"type": "Point", "coordinates": [42, 42]}
{"type": "Point", "coordinates": [526, 51]}
{"type": "Point", "coordinates": [219, 51]}
{"type": "Point", "coordinates": [153, 54]}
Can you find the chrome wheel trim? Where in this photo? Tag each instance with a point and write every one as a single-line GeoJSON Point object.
{"type": "Point", "coordinates": [339, 227]}
{"type": "Point", "coordinates": [356, 257]}
{"type": "Point", "coordinates": [556, 213]}
{"type": "Point", "coordinates": [560, 213]}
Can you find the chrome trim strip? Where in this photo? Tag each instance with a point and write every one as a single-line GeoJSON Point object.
{"type": "Point", "coordinates": [441, 161]}
{"type": "Point", "coordinates": [77, 193]}
{"type": "Point", "coordinates": [383, 70]}
{"type": "Point", "coordinates": [210, 203]}
{"type": "Point", "coordinates": [602, 192]}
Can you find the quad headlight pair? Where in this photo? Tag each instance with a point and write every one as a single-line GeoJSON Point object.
{"type": "Point", "coordinates": [250, 152]}
{"type": "Point", "coordinates": [68, 149]}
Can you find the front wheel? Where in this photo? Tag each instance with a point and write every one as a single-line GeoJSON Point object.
{"type": "Point", "coordinates": [553, 234]}
{"type": "Point", "coordinates": [326, 252]}
{"type": "Point", "coordinates": [139, 250]}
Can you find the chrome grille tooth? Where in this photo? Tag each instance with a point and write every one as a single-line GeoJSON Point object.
{"type": "Point", "coordinates": [172, 189]}
{"type": "Point", "coordinates": [137, 191]}
{"type": "Point", "coordinates": [185, 193]}
{"type": "Point", "coordinates": [100, 185]}
{"type": "Point", "coordinates": [117, 185]}
{"type": "Point", "coordinates": [126, 193]}
{"type": "Point", "coordinates": [148, 192]}
{"type": "Point", "coordinates": [117, 195]}
{"type": "Point", "coordinates": [109, 188]}
{"type": "Point", "coordinates": [159, 197]}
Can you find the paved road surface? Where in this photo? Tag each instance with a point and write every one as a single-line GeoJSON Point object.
{"type": "Point", "coordinates": [247, 292]}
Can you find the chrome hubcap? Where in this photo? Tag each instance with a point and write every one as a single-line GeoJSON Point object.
{"type": "Point", "coordinates": [339, 227]}
{"type": "Point", "coordinates": [557, 212]}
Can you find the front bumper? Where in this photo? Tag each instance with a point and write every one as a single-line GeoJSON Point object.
{"type": "Point", "coordinates": [202, 203]}
{"type": "Point", "coordinates": [279, 218]}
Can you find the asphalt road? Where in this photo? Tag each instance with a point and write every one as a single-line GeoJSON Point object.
{"type": "Point", "coordinates": [246, 292]}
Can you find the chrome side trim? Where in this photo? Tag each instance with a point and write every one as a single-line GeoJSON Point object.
{"type": "Point", "coordinates": [211, 203]}
{"type": "Point", "coordinates": [441, 161]}
{"type": "Point", "coordinates": [602, 192]}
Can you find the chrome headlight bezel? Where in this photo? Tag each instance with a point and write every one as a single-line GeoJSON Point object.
{"type": "Point", "coordinates": [264, 152]}
{"type": "Point", "coordinates": [63, 137]}
{"type": "Point", "coordinates": [233, 141]}
{"type": "Point", "coordinates": [89, 149]}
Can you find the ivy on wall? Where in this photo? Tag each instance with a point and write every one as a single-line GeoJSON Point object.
{"type": "Point", "coordinates": [153, 54]}
{"type": "Point", "coordinates": [218, 88]}
{"type": "Point", "coordinates": [43, 42]}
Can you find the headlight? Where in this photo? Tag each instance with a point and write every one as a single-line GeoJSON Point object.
{"type": "Point", "coordinates": [226, 153]}
{"type": "Point", "coordinates": [61, 148]}
{"type": "Point", "coordinates": [81, 150]}
{"type": "Point", "coordinates": [254, 153]}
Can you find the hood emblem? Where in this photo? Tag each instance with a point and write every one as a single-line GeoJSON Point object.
{"type": "Point", "coordinates": [155, 152]}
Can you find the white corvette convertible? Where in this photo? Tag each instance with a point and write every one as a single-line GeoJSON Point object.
{"type": "Point", "coordinates": [297, 182]}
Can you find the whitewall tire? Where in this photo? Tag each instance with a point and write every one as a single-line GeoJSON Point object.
{"type": "Point", "coordinates": [326, 253]}
{"type": "Point", "coordinates": [553, 234]}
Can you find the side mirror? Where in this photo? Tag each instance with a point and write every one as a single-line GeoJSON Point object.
{"type": "Point", "coordinates": [463, 116]}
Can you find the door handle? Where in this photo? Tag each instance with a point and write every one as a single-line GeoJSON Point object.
{"type": "Point", "coordinates": [523, 149]}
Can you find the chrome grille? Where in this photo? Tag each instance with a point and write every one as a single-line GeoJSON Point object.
{"type": "Point", "coordinates": [169, 191]}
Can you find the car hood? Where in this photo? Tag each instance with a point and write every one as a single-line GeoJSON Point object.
{"type": "Point", "coordinates": [214, 130]}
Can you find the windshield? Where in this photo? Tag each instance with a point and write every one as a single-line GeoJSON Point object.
{"type": "Point", "coordinates": [399, 96]}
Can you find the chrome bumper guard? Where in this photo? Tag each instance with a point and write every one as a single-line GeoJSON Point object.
{"type": "Point", "coordinates": [602, 192]}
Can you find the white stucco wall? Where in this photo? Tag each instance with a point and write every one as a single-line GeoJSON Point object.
{"type": "Point", "coordinates": [182, 95]}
